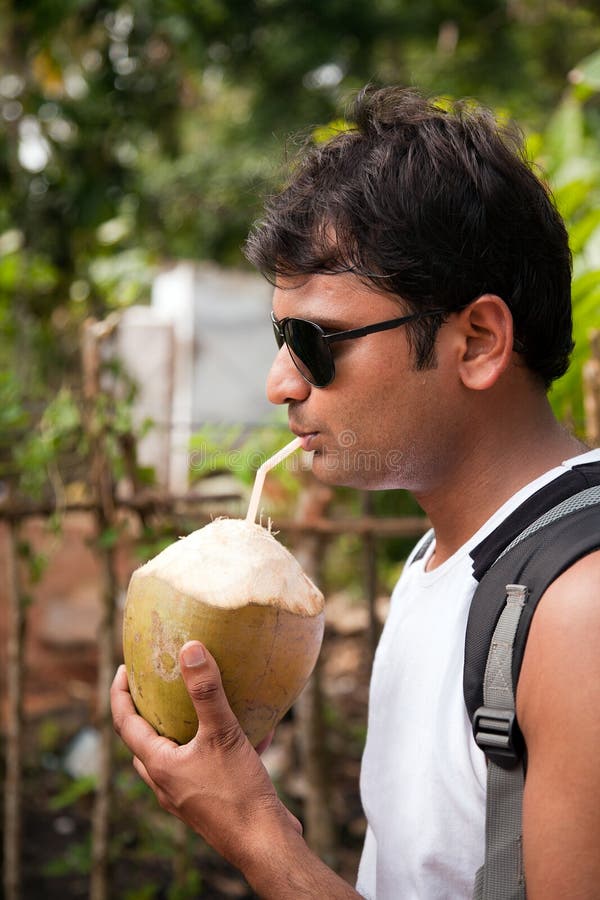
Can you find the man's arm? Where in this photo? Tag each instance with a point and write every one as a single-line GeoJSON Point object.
{"type": "Point", "coordinates": [219, 787]}
{"type": "Point", "coordinates": [558, 707]}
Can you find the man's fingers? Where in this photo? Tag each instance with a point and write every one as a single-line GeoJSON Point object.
{"type": "Point", "coordinates": [134, 731]}
{"type": "Point", "coordinates": [203, 681]}
{"type": "Point", "coordinates": [120, 681]}
{"type": "Point", "coordinates": [121, 703]}
{"type": "Point", "coordinates": [142, 771]}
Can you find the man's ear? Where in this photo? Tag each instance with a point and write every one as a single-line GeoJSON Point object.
{"type": "Point", "coordinates": [487, 335]}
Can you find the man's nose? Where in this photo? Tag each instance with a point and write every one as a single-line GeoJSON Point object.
{"type": "Point", "coordinates": [284, 382]}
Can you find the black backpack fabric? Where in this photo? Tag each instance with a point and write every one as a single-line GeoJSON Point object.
{"type": "Point", "coordinates": [514, 565]}
{"type": "Point", "coordinates": [544, 536]}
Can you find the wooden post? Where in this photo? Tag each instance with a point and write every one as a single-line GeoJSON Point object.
{"type": "Point", "coordinates": [319, 829]}
{"type": "Point", "coordinates": [591, 392]}
{"type": "Point", "coordinates": [102, 485]}
{"type": "Point", "coordinates": [14, 724]}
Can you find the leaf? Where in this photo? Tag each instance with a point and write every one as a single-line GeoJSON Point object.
{"type": "Point", "coordinates": [571, 196]}
{"type": "Point", "coordinates": [564, 136]}
{"type": "Point", "coordinates": [76, 859]}
{"type": "Point", "coordinates": [325, 132]}
{"type": "Point", "coordinates": [109, 538]}
{"type": "Point", "coordinates": [587, 72]}
{"type": "Point", "coordinates": [143, 892]}
{"type": "Point", "coordinates": [76, 789]}
{"type": "Point", "coordinates": [583, 284]}
{"type": "Point", "coordinates": [146, 475]}
{"type": "Point", "coordinates": [582, 230]}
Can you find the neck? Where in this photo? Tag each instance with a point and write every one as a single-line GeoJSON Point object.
{"type": "Point", "coordinates": [496, 461]}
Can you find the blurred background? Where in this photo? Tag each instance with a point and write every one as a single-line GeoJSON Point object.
{"type": "Point", "coordinates": [137, 142]}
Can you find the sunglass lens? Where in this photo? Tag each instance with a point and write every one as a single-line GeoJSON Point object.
{"type": "Point", "coordinates": [310, 352]}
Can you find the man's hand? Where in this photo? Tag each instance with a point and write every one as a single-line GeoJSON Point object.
{"type": "Point", "coordinates": [218, 786]}
{"type": "Point", "coordinates": [216, 783]}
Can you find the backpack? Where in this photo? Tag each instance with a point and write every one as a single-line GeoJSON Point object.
{"type": "Point", "coordinates": [514, 565]}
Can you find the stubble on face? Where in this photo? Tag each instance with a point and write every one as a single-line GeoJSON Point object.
{"type": "Point", "coordinates": [369, 424]}
{"type": "Point", "coordinates": [378, 445]}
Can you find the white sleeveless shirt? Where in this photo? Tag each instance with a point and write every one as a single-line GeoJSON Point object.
{"type": "Point", "coordinates": [423, 778]}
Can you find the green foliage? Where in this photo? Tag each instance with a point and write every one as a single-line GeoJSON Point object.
{"type": "Point", "coordinates": [586, 74]}
{"type": "Point", "coordinates": [76, 859]}
{"type": "Point", "coordinates": [143, 892]}
{"type": "Point", "coordinates": [214, 450]}
{"type": "Point", "coordinates": [567, 151]}
{"type": "Point", "coordinates": [49, 736]}
{"type": "Point", "coordinates": [152, 541]}
{"type": "Point", "coordinates": [121, 279]}
{"type": "Point", "coordinates": [12, 412]}
{"type": "Point", "coordinates": [35, 562]}
{"type": "Point", "coordinates": [239, 452]}
{"type": "Point", "coordinates": [189, 889]}
{"type": "Point", "coordinates": [14, 420]}
{"type": "Point", "coordinates": [58, 432]}
{"type": "Point", "coordinates": [324, 133]}
{"type": "Point", "coordinates": [137, 131]}
{"type": "Point", "coordinates": [109, 538]}
{"type": "Point", "coordinates": [73, 791]}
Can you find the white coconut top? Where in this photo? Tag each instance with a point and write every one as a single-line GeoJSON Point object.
{"type": "Point", "coordinates": [230, 563]}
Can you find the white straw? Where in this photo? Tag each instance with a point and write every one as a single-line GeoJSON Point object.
{"type": "Point", "coordinates": [262, 471]}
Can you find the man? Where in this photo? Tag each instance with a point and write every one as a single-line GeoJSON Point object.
{"type": "Point", "coordinates": [427, 224]}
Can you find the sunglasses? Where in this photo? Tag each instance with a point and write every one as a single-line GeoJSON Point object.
{"type": "Point", "coordinates": [310, 346]}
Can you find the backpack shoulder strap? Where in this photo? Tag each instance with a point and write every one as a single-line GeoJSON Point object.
{"type": "Point", "coordinates": [501, 877]}
{"type": "Point", "coordinates": [543, 550]}
{"type": "Point", "coordinates": [571, 482]}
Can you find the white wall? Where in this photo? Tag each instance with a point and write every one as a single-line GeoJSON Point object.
{"type": "Point", "coordinates": [200, 354]}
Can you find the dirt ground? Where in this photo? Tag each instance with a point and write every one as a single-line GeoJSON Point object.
{"type": "Point", "coordinates": [145, 842]}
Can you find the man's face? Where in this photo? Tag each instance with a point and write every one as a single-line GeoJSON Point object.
{"type": "Point", "coordinates": [380, 423]}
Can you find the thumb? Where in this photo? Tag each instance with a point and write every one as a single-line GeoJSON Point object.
{"type": "Point", "coordinates": [202, 679]}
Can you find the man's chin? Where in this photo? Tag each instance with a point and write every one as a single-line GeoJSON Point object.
{"type": "Point", "coordinates": [331, 469]}
{"type": "Point", "coordinates": [361, 471]}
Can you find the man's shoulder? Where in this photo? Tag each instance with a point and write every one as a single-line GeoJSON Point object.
{"type": "Point", "coordinates": [574, 596]}
{"type": "Point", "coordinates": [558, 707]}
{"type": "Point", "coordinates": [562, 648]}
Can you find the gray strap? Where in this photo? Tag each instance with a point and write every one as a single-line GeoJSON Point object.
{"type": "Point", "coordinates": [502, 875]}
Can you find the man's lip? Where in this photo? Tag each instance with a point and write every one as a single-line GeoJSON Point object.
{"type": "Point", "coordinates": [306, 437]}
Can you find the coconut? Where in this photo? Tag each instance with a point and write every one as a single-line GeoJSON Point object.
{"type": "Point", "coordinates": [234, 587]}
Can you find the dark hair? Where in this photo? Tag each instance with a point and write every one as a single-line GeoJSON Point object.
{"type": "Point", "coordinates": [436, 205]}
